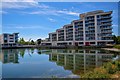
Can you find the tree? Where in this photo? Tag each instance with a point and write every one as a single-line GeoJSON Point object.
{"type": "Point", "coordinates": [21, 41]}
{"type": "Point", "coordinates": [38, 41]}
{"type": "Point", "coordinates": [116, 39]}
{"type": "Point", "coordinates": [32, 42]}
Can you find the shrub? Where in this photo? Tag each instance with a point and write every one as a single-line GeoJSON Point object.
{"type": "Point", "coordinates": [117, 46]}
{"type": "Point", "coordinates": [109, 70]}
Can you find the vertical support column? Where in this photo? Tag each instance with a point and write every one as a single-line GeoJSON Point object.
{"type": "Point", "coordinates": [96, 36]}
{"type": "Point", "coordinates": [50, 37]}
{"type": "Point", "coordinates": [57, 35]}
{"type": "Point", "coordinates": [64, 33]}
{"type": "Point", "coordinates": [7, 38]}
{"type": "Point", "coordinates": [73, 33]}
{"type": "Point", "coordinates": [84, 37]}
{"type": "Point", "coordinates": [14, 38]}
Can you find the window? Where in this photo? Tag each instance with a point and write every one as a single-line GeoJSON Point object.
{"type": "Point", "coordinates": [92, 42]}
{"type": "Point", "coordinates": [98, 16]}
{"type": "Point", "coordinates": [80, 42]}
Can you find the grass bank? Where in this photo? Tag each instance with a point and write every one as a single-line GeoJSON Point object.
{"type": "Point", "coordinates": [109, 70]}
{"type": "Point", "coordinates": [116, 46]}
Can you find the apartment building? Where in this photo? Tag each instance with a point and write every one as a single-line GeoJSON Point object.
{"type": "Point", "coordinates": [9, 40]}
{"type": "Point", "coordinates": [93, 28]}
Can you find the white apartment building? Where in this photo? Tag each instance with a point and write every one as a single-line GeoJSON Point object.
{"type": "Point", "coordinates": [93, 28]}
{"type": "Point", "coordinates": [9, 40]}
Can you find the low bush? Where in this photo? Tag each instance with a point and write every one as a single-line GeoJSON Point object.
{"type": "Point", "coordinates": [109, 70]}
{"type": "Point", "coordinates": [117, 46]}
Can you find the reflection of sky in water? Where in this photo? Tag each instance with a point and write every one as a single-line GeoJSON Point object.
{"type": "Point", "coordinates": [34, 65]}
{"type": "Point", "coordinates": [28, 63]}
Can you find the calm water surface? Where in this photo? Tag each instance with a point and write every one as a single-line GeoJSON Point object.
{"type": "Point", "coordinates": [62, 63]}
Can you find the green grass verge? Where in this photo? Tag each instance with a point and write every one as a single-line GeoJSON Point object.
{"type": "Point", "coordinates": [117, 46]}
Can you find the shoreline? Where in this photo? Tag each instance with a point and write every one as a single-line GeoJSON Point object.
{"type": "Point", "coordinates": [112, 49]}
{"type": "Point", "coordinates": [59, 47]}
{"type": "Point", "coordinates": [107, 48]}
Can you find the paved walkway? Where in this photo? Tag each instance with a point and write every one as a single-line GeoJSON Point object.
{"type": "Point", "coordinates": [112, 49]}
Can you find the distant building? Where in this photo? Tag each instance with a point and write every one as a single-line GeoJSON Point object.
{"type": "Point", "coordinates": [93, 28]}
{"type": "Point", "coordinates": [9, 40]}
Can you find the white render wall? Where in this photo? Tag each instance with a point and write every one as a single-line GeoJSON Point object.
{"type": "Point", "coordinates": [84, 33]}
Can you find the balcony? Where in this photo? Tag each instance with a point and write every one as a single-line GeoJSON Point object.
{"type": "Point", "coordinates": [90, 22]}
{"type": "Point", "coordinates": [91, 28]}
{"type": "Point", "coordinates": [91, 25]}
{"type": "Point", "coordinates": [106, 24]}
{"type": "Point", "coordinates": [106, 16]}
{"type": "Point", "coordinates": [109, 20]}
{"type": "Point", "coordinates": [80, 29]}
{"type": "Point", "coordinates": [89, 19]}
{"type": "Point", "coordinates": [107, 35]}
{"type": "Point", "coordinates": [106, 31]}
{"type": "Point", "coordinates": [107, 28]}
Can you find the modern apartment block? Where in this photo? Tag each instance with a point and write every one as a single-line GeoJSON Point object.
{"type": "Point", "coordinates": [9, 40]}
{"type": "Point", "coordinates": [93, 28]}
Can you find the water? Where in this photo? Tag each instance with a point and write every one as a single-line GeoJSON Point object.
{"type": "Point", "coordinates": [60, 63]}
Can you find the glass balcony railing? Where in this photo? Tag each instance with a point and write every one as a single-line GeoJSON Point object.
{"type": "Point", "coordinates": [106, 28]}
{"type": "Point", "coordinates": [106, 20]}
{"type": "Point", "coordinates": [106, 16]}
{"type": "Point", "coordinates": [105, 24]}
{"type": "Point", "coordinates": [106, 31]}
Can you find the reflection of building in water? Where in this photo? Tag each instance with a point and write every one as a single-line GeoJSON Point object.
{"type": "Point", "coordinates": [9, 56]}
{"type": "Point", "coordinates": [80, 61]}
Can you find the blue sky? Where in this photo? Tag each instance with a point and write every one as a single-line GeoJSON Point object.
{"type": "Point", "coordinates": [36, 19]}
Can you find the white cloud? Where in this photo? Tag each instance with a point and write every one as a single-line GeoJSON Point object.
{"type": "Point", "coordinates": [18, 4]}
{"type": "Point", "coordinates": [115, 25]}
{"type": "Point", "coordinates": [53, 12]}
{"type": "Point", "coordinates": [44, 9]}
{"type": "Point", "coordinates": [51, 20]}
{"type": "Point", "coordinates": [3, 12]}
{"type": "Point", "coordinates": [73, 13]}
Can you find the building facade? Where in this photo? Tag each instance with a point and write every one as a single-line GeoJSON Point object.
{"type": "Point", "coordinates": [93, 28]}
{"type": "Point", "coordinates": [9, 40]}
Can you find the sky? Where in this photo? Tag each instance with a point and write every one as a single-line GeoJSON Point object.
{"type": "Point", "coordinates": [37, 19]}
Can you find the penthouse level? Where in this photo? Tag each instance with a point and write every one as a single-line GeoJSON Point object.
{"type": "Point", "coordinates": [93, 28]}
